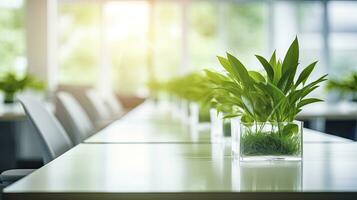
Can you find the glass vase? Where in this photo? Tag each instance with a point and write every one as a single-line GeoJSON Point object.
{"type": "Point", "coordinates": [220, 127]}
{"type": "Point", "coordinates": [216, 125]}
{"type": "Point", "coordinates": [198, 114]}
{"type": "Point", "coordinates": [270, 141]}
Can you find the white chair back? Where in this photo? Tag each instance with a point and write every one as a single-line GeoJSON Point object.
{"type": "Point", "coordinates": [54, 138]}
{"type": "Point", "coordinates": [72, 116]}
{"type": "Point", "coordinates": [97, 102]}
{"type": "Point", "coordinates": [114, 105]}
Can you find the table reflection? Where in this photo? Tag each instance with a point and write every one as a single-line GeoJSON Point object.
{"type": "Point", "coordinates": [268, 176]}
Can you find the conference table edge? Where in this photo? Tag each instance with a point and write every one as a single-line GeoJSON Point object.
{"type": "Point", "coordinates": [183, 195]}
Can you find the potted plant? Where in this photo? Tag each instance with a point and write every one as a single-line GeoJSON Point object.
{"type": "Point", "coordinates": [220, 126]}
{"type": "Point", "coordinates": [11, 84]}
{"type": "Point", "coordinates": [267, 104]}
{"type": "Point", "coordinates": [192, 91]}
{"type": "Point", "coordinates": [347, 86]}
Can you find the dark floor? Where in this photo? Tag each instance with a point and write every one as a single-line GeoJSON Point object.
{"type": "Point", "coordinates": [342, 128]}
{"type": "Point", "coordinates": [1, 192]}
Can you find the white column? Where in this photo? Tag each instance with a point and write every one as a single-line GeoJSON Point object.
{"type": "Point", "coordinates": [41, 40]}
{"type": "Point", "coordinates": [285, 26]}
{"type": "Point", "coordinates": [271, 26]}
{"type": "Point", "coordinates": [221, 27]}
{"type": "Point", "coordinates": [104, 84]}
{"type": "Point", "coordinates": [185, 55]}
{"type": "Point", "coordinates": [326, 37]}
{"type": "Point", "coordinates": [326, 52]}
{"type": "Point", "coordinates": [151, 40]}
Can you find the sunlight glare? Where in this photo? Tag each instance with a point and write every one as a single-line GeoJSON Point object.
{"type": "Point", "coordinates": [125, 19]}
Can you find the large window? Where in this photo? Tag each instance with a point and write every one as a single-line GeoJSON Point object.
{"type": "Point", "coordinates": [245, 30]}
{"type": "Point", "coordinates": [343, 37]}
{"type": "Point", "coordinates": [123, 44]}
{"type": "Point", "coordinates": [203, 32]}
{"type": "Point", "coordinates": [79, 43]}
{"type": "Point", "coordinates": [126, 28]}
{"type": "Point", "coordinates": [166, 44]}
{"type": "Point", "coordinates": [12, 36]}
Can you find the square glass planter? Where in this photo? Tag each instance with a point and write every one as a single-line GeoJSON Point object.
{"type": "Point", "coordinates": [220, 128]}
{"type": "Point", "coordinates": [216, 125]}
{"type": "Point", "coordinates": [270, 141]}
{"type": "Point", "coordinates": [183, 110]}
{"type": "Point", "coordinates": [226, 123]}
{"type": "Point", "coordinates": [197, 115]}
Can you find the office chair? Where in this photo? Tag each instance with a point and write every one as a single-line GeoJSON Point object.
{"type": "Point", "coordinates": [101, 115]}
{"type": "Point", "coordinates": [73, 118]}
{"type": "Point", "coordinates": [114, 105]}
{"type": "Point", "coordinates": [53, 137]}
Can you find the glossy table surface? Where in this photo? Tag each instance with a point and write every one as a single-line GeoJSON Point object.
{"type": "Point", "coordinates": [146, 132]}
{"type": "Point", "coordinates": [191, 167]}
{"type": "Point", "coordinates": [133, 168]}
{"type": "Point", "coordinates": [151, 124]}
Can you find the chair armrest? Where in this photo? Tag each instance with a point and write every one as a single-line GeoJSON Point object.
{"type": "Point", "coordinates": [12, 175]}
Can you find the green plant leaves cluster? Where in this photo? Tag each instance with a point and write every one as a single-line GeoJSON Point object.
{"type": "Point", "coordinates": [269, 143]}
{"type": "Point", "coordinates": [347, 85]}
{"type": "Point", "coordinates": [11, 83]}
{"type": "Point", "coordinates": [277, 95]}
{"type": "Point", "coordinates": [193, 87]}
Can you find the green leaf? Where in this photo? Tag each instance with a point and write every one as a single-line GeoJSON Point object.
{"type": "Point", "coordinates": [290, 129]}
{"type": "Point", "coordinates": [230, 116]}
{"type": "Point", "coordinates": [227, 66]}
{"type": "Point", "coordinates": [239, 68]}
{"type": "Point", "coordinates": [257, 76]}
{"type": "Point", "coordinates": [308, 88]}
{"type": "Point", "coordinates": [305, 74]}
{"type": "Point", "coordinates": [287, 79]}
{"type": "Point", "coordinates": [275, 92]}
{"type": "Point", "coordinates": [248, 105]}
{"type": "Point", "coordinates": [305, 102]}
{"type": "Point", "coordinates": [272, 60]}
{"type": "Point", "coordinates": [268, 68]}
{"type": "Point", "coordinates": [307, 91]}
{"type": "Point", "coordinates": [215, 77]}
{"type": "Point", "coordinates": [277, 72]}
{"type": "Point", "coordinates": [292, 56]}
{"type": "Point", "coordinates": [246, 119]}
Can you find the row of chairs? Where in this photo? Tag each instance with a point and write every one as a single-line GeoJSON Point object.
{"type": "Point", "coordinates": [59, 134]}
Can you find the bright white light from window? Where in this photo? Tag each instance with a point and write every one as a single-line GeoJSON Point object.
{"type": "Point", "coordinates": [11, 3]}
{"type": "Point", "coordinates": [125, 19]}
{"type": "Point", "coordinates": [343, 15]}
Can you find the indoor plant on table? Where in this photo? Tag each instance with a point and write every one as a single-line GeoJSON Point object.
{"type": "Point", "coordinates": [346, 86]}
{"type": "Point", "coordinates": [220, 125]}
{"type": "Point", "coordinates": [268, 104]}
{"type": "Point", "coordinates": [11, 84]}
{"type": "Point", "coordinates": [193, 90]}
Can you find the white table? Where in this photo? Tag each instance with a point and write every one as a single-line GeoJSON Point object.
{"type": "Point", "coordinates": [123, 132]}
{"type": "Point", "coordinates": [151, 124]}
{"type": "Point", "coordinates": [150, 158]}
{"type": "Point", "coordinates": [169, 171]}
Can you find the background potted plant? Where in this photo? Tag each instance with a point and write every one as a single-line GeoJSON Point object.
{"type": "Point", "coordinates": [220, 126]}
{"type": "Point", "coordinates": [347, 86]}
{"type": "Point", "coordinates": [11, 84]}
{"type": "Point", "coordinates": [267, 104]}
{"type": "Point", "coordinates": [192, 91]}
